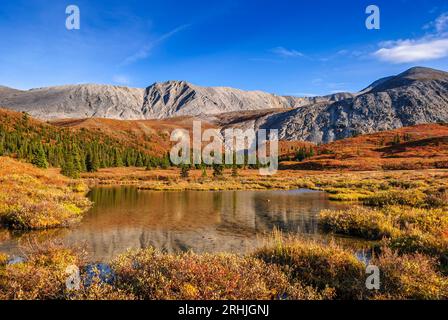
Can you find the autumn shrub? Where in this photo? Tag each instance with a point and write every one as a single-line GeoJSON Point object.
{"type": "Point", "coordinates": [409, 276]}
{"type": "Point", "coordinates": [432, 221]}
{"type": "Point", "coordinates": [321, 266]}
{"type": "Point", "coordinates": [42, 215]}
{"type": "Point", "coordinates": [42, 276]}
{"type": "Point", "coordinates": [3, 259]}
{"type": "Point", "coordinates": [418, 242]}
{"type": "Point", "coordinates": [34, 201]}
{"type": "Point", "coordinates": [359, 221]}
{"type": "Point", "coordinates": [151, 274]}
{"type": "Point", "coordinates": [437, 198]}
{"type": "Point", "coordinates": [411, 197]}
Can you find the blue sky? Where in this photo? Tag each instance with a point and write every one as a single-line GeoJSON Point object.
{"type": "Point", "coordinates": [299, 47]}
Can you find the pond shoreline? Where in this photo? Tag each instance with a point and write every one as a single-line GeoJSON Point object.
{"type": "Point", "coordinates": [203, 221]}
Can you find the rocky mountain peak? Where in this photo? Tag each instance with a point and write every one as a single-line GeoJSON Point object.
{"type": "Point", "coordinates": [409, 77]}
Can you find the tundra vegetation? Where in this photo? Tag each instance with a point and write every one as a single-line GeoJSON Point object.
{"type": "Point", "coordinates": [32, 198]}
{"type": "Point", "coordinates": [406, 214]}
{"type": "Point", "coordinates": [404, 211]}
{"type": "Point", "coordinates": [285, 268]}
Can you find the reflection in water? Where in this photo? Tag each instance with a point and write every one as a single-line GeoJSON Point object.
{"type": "Point", "coordinates": [231, 221]}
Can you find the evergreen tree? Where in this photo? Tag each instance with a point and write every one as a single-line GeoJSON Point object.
{"type": "Point", "coordinates": [39, 159]}
{"type": "Point", "coordinates": [78, 164]}
{"type": "Point", "coordinates": [184, 171]}
{"type": "Point", "coordinates": [92, 163]}
{"type": "Point", "coordinates": [311, 152]}
{"type": "Point", "coordinates": [139, 161]}
{"type": "Point", "coordinates": [234, 171]}
{"type": "Point", "coordinates": [218, 170]}
{"type": "Point", "coordinates": [301, 154]}
{"type": "Point", "coordinates": [118, 161]}
{"type": "Point", "coordinates": [204, 171]}
{"type": "Point", "coordinates": [165, 163]}
{"type": "Point", "coordinates": [68, 168]}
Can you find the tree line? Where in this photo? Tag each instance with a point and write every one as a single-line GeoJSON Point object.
{"type": "Point", "coordinates": [72, 151]}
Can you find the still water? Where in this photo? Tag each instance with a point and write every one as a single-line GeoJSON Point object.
{"type": "Point", "coordinates": [202, 221]}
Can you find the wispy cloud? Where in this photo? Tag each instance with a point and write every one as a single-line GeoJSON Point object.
{"type": "Point", "coordinates": [145, 51]}
{"type": "Point", "coordinates": [287, 53]}
{"type": "Point", "coordinates": [302, 94]}
{"type": "Point", "coordinates": [440, 25]}
{"type": "Point", "coordinates": [430, 47]}
{"type": "Point", "coordinates": [121, 79]}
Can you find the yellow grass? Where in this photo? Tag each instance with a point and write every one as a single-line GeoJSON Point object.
{"type": "Point", "coordinates": [32, 198]}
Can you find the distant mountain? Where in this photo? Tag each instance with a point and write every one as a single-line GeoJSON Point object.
{"type": "Point", "coordinates": [180, 98]}
{"type": "Point", "coordinates": [417, 96]}
{"type": "Point", "coordinates": [76, 101]}
{"type": "Point", "coordinates": [158, 101]}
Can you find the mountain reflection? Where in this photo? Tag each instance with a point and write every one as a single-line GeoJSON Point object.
{"type": "Point", "coordinates": [225, 221]}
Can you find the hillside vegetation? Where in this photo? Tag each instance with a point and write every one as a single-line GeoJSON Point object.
{"type": "Point", "coordinates": [417, 147]}
{"type": "Point", "coordinates": [33, 198]}
{"type": "Point", "coordinates": [73, 150]}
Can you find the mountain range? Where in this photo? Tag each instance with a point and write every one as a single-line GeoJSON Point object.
{"type": "Point", "coordinates": [416, 96]}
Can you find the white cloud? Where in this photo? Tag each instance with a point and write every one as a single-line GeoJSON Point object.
{"type": "Point", "coordinates": [121, 79]}
{"type": "Point", "coordinates": [408, 51]}
{"type": "Point", "coordinates": [287, 53]}
{"type": "Point", "coordinates": [441, 23]}
{"type": "Point", "coordinates": [430, 47]}
{"type": "Point", "coordinates": [145, 51]}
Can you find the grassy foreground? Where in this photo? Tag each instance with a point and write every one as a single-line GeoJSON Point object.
{"type": "Point", "coordinates": [407, 210]}
{"type": "Point", "coordinates": [283, 269]}
{"type": "Point", "coordinates": [341, 185]}
{"type": "Point", "coordinates": [32, 198]}
{"type": "Point", "coordinates": [409, 214]}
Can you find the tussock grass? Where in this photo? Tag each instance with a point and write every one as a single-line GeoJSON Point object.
{"type": "Point", "coordinates": [358, 221]}
{"type": "Point", "coordinates": [322, 266]}
{"type": "Point", "coordinates": [410, 276]}
{"type": "Point", "coordinates": [286, 268]}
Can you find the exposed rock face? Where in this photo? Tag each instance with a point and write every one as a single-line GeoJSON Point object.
{"type": "Point", "coordinates": [417, 96]}
{"type": "Point", "coordinates": [77, 101]}
{"type": "Point", "coordinates": [174, 98]}
{"type": "Point", "coordinates": [158, 101]}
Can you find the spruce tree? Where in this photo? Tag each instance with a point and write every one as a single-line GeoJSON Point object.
{"type": "Point", "coordinates": [301, 154]}
{"type": "Point", "coordinates": [39, 158]}
{"type": "Point", "coordinates": [204, 171]}
{"type": "Point", "coordinates": [165, 164]}
{"type": "Point", "coordinates": [218, 170]}
{"type": "Point", "coordinates": [311, 152]}
{"type": "Point", "coordinates": [117, 160]}
{"type": "Point", "coordinates": [92, 163]}
{"type": "Point", "coordinates": [68, 168]}
{"type": "Point", "coordinates": [139, 162]}
{"type": "Point", "coordinates": [234, 171]}
{"type": "Point", "coordinates": [184, 171]}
